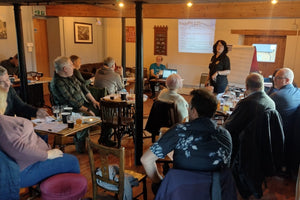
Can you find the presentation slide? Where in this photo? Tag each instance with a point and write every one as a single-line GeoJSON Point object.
{"type": "Point", "coordinates": [196, 35]}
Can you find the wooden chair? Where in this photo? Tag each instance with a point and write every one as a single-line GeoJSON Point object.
{"type": "Point", "coordinates": [203, 79]}
{"type": "Point", "coordinates": [97, 93]}
{"type": "Point", "coordinates": [119, 116]}
{"type": "Point", "coordinates": [102, 158]}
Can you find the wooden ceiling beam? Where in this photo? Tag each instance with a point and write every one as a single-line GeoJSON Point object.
{"type": "Point", "coordinates": [265, 32]}
{"type": "Point", "coordinates": [242, 10]}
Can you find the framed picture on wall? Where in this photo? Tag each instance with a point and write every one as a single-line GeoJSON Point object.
{"type": "Point", "coordinates": [3, 30]}
{"type": "Point", "coordinates": [83, 33]}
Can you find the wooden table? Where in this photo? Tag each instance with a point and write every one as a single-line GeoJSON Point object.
{"type": "Point", "coordinates": [61, 138]}
{"type": "Point", "coordinates": [117, 98]}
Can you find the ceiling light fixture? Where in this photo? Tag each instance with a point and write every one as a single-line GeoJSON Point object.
{"type": "Point", "coordinates": [274, 1]}
{"type": "Point", "coordinates": [121, 4]}
{"type": "Point", "coordinates": [189, 4]}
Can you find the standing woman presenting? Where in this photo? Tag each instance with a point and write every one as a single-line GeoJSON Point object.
{"type": "Point", "coordinates": [219, 67]}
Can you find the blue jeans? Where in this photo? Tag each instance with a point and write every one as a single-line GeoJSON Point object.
{"type": "Point", "coordinates": [39, 171]}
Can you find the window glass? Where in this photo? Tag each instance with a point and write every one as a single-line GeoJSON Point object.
{"type": "Point", "coordinates": [266, 52]}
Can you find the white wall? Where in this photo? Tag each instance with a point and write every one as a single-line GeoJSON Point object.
{"type": "Point", "coordinates": [107, 40]}
{"type": "Point", "coordinates": [87, 52]}
{"type": "Point", "coordinates": [197, 61]}
{"type": "Point", "coordinates": [8, 47]}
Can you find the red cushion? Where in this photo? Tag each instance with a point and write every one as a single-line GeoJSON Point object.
{"type": "Point", "coordinates": [66, 186]}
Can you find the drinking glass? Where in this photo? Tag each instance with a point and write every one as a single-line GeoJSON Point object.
{"type": "Point", "coordinates": [70, 121]}
{"type": "Point", "coordinates": [78, 117]}
{"type": "Point", "coordinates": [56, 111]}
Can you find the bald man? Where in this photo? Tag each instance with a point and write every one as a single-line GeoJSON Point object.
{"type": "Point", "coordinates": [254, 104]}
{"type": "Point", "coordinates": [287, 98]}
{"type": "Point", "coordinates": [155, 69]}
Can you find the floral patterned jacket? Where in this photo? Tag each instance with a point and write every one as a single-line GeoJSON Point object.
{"type": "Point", "coordinates": [198, 145]}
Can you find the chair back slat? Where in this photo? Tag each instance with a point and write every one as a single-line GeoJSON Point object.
{"type": "Point", "coordinates": [119, 116]}
{"type": "Point", "coordinates": [102, 159]}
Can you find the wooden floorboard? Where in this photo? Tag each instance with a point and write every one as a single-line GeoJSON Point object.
{"type": "Point", "coordinates": [278, 188]}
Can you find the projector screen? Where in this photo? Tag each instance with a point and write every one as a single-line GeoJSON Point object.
{"type": "Point", "coordinates": [196, 35]}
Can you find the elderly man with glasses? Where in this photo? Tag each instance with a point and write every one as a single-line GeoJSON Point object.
{"type": "Point", "coordinates": [287, 98]}
{"type": "Point", "coordinates": [68, 90]}
{"type": "Point", "coordinates": [15, 105]}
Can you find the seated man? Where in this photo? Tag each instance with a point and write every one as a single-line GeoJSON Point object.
{"type": "Point", "coordinates": [173, 83]}
{"type": "Point", "coordinates": [11, 65]}
{"type": "Point", "coordinates": [198, 145]}
{"type": "Point", "coordinates": [255, 103]}
{"type": "Point", "coordinates": [155, 70]}
{"type": "Point", "coordinates": [68, 90]}
{"type": "Point", "coordinates": [287, 98]}
{"type": "Point", "coordinates": [15, 105]}
{"type": "Point", "coordinates": [107, 78]}
{"type": "Point", "coordinates": [257, 137]}
{"type": "Point", "coordinates": [36, 160]}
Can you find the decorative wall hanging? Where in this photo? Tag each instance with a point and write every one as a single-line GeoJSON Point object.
{"type": "Point", "coordinates": [130, 34]}
{"type": "Point", "coordinates": [83, 33]}
{"type": "Point", "coordinates": [3, 30]}
{"type": "Point", "coordinates": [160, 40]}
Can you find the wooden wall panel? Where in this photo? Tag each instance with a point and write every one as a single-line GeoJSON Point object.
{"type": "Point", "coordinates": [268, 68]}
{"type": "Point", "coordinates": [41, 49]}
{"type": "Point", "coordinates": [242, 10]}
{"type": "Point", "coordinates": [265, 32]}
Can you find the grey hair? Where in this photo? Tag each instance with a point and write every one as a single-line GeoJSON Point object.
{"type": "Point", "coordinates": [173, 82]}
{"type": "Point", "coordinates": [60, 62]}
{"type": "Point", "coordinates": [255, 82]}
{"type": "Point", "coordinates": [109, 61]}
{"type": "Point", "coordinates": [3, 71]}
{"type": "Point", "coordinates": [288, 73]}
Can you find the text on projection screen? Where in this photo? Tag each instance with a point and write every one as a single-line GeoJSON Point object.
{"type": "Point", "coordinates": [196, 35]}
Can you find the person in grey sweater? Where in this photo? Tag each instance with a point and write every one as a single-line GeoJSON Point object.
{"type": "Point", "coordinates": [107, 78]}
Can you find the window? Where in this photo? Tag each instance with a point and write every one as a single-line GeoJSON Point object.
{"type": "Point", "coordinates": [266, 52]}
{"type": "Point", "coordinates": [196, 35]}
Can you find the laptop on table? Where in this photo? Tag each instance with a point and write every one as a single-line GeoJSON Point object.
{"type": "Point", "coordinates": [168, 72]}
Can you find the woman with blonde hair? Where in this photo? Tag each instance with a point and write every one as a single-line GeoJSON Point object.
{"type": "Point", "coordinates": [173, 83]}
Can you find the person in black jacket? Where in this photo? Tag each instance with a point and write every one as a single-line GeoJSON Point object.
{"type": "Point", "coordinates": [255, 103]}
{"type": "Point", "coordinates": [15, 105]}
{"type": "Point", "coordinates": [257, 138]}
{"type": "Point", "coordinates": [219, 67]}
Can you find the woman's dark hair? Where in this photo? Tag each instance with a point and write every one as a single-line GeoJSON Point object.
{"type": "Point", "coordinates": [223, 43]}
{"type": "Point", "coordinates": [204, 102]}
{"type": "Point", "coordinates": [73, 58]}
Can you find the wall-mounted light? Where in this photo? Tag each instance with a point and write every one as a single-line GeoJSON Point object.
{"type": "Point", "coordinates": [189, 4]}
{"type": "Point", "coordinates": [121, 4]}
{"type": "Point", "coordinates": [98, 21]}
{"type": "Point", "coordinates": [274, 1]}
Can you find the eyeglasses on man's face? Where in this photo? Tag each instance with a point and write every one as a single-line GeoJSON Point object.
{"type": "Point", "coordinates": [279, 77]}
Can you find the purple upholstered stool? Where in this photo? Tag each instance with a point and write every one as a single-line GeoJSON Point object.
{"type": "Point", "coordinates": [68, 186]}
